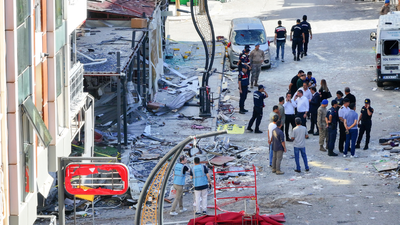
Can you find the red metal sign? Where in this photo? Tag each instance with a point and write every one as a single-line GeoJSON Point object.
{"type": "Point", "coordinates": [96, 179]}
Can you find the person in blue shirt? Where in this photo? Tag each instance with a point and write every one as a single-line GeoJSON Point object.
{"type": "Point", "coordinates": [179, 181]}
{"type": "Point", "coordinates": [258, 98]}
{"type": "Point", "coordinates": [331, 121]}
{"type": "Point", "coordinates": [311, 80]}
{"type": "Point", "coordinates": [202, 181]}
{"type": "Point", "coordinates": [306, 27]}
{"type": "Point", "coordinates": [350, 123]}
{"type": "Point", "coordinates": [297, 37]}
{"type": "Point", "coordinates": [243, 81]}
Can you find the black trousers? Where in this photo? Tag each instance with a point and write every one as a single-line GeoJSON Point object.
{"type": "Point", "coordinates": [332, 137]}
{"type": "Point", "coordinates": [243, 97]}
{"type": "Point", "coordinates": [342, 136]}
{"type": "Point", "coordinates": [289, 120]}
{"type": "Point", "coordinates": [303, 120]}
{"type": "Point", "coordinates": [314, 116]}
{"type": "Point", "coordinates": [257, 116]}
{"type": "Point", "coordinates": [305, 48]}
{"type": "Point", "coordinates": [297, 43]}
{"type": "Point", "coordinates": [364, 127]}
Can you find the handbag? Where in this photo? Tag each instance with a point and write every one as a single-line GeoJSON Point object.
{"type": "Point", "coordinates": [329, 95]}
{"type": "Point", "coordinates": [172, 193]}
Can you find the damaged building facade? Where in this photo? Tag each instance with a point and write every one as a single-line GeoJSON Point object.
{"type": "Point", "coordinates": [45, 107]}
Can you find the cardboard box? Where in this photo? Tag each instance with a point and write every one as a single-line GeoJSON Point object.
{"type": "Point", "coordinates": [138, 23]}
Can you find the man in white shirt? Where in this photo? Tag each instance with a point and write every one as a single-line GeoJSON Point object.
{"type": "Point", "coordinates": [289, 114]}
{"type": "Point", "coordinates": [306, 91]}
{"type": "Point", "coordinates": [271, 127]}
{"type": "Point", "coordinates": [303, 106]}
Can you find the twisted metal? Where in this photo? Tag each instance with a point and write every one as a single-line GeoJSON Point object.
{"type": "Point", "coordinates": [204, 27]}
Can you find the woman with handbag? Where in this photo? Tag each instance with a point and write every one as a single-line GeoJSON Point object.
{"type": "Point", "coordinates": [324, 90]}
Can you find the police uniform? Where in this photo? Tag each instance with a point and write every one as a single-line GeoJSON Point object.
{"type": "Point", "coordinates": [332, 129]}
{"type": "Point", "coordinates": [243, 78]}
{"type": "Point", "coordinates": [297, 41]}
{"type": "Point", "coordinates": [366, 124]}
{"type": "Point", "coordinates": [243, 58]}
{"type": "Point", "coordinates": [321, 123]}
{"type": "Point", "coordinates": [280, 32]}
{"type": "Point", "coordinates": [306, 27]}
{"type": "Point", "coordinates": [258, 98]}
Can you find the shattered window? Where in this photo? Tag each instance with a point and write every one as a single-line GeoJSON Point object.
{"type": "Point", "coordinates": [37, 122]}
{"type": "Point", "coordinates": [391, 47]}
{"type": "Point", "coordinates": [249, 37]}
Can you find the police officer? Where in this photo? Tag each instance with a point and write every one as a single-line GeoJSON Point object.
{"type": "Point", "coordinates": [280, 40]}
{"type": "Point", "coordinates": [365, 123]}
{"type": "Point", "coordinates": [243, 79]}
{"type": "Point", "coordinates": [258, 97]}
{"type": "Point", "coordinates": [244, 57]}
{"type": "Point", "coordinates": [306, 27]}
{"type": "Point", "coordinates": [297, 37]}
{"type": "Point", "coordinates": [179, 181]}
{"type": "Point", "coordinates": [331, 121]}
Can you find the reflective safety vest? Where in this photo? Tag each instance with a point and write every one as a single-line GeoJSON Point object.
{"type": "Point", "coordinates": [179, 177]}
{"type": "Point", "coordinates": [199, 178]}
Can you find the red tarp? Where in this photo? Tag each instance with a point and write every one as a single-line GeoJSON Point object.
{"type": "Point", "coordinates": [234, 218]}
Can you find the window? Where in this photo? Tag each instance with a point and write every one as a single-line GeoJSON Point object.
{"type": "Point", "coordinates": [391, 47]}
{"type": "Point", "coordinates": [73, 48]}
{"type": "Point", "coordinates": [24, 86]}
{"type": "Point", "coordinates": [249, 37]}
{"type": "Point", "coordinates": [59, 12]}
{"type": "Point", "coordinates": [60, 82]}
{"type": "Point", "coordinates": [22, 11]}
{"type": "Point", "coordinates": [23, 48]}
{"type": "Point", "coordinates": [38, 16]}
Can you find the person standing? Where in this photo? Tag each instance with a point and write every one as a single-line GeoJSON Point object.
{"type": "Point", "coordinates": [350, 122]}
{"type": "Point", "coordinates": [289, 115]}
{"type": "Point", "coordinates": [322, 125]}
{"type": "Point", "coordinates": [297, 37]}
{"type": "Point", "coordinates": [278, 147]}
{"type": "Point", "coordinates": [275, 111]}
{"type": "Point", "coordinates": [301, 81]}
{"type": "Point", "coordinates": [271, 127]}
{"type": "Point", "coordinates": [311, 80]}
{"type": "Point", "coordinates": [324, 90]}
{"type": "Point", "coordinates": [299, 144]}
{"type": "Point", "coordinates": [339, 98]}
{"type": "Point", "coordinates": [243, 87]}
{"type": "Point", "coordinates": [342, 130]}
{"type": "Point", "coordinates": [398, 6]}
{"type": "Point", "coordinates": [349, 95]}
{"type": "Point", "coordinates": [315, 102]}
{"type": "Point", "coordinates": [306, 90]}
{"type": "Point", "coordinates": [258, 98]}
{"type": "Point", "coordinates": [280, 40]}
{"type": "Point", "coordinates": [256, 59]}
{"type": "Point", "coordinates": [281, 109]}
{"type": "Point", "coordinates": [306, 27]}
{"type": "Point", "coordinates": [385, 8]}
{"type": "Point", "coordinates": [244, 58]}
{"type": "Point", "coordinates": [331, 121]}
{"type": "Point", "coordinates": [179, 181]}
{"type": "Point", "coordinates": [365, 123]}
{"type": "Point", "coordinates": [302, 105]}
{"type": "Point", "coordinates": [293, 83]}
{"type": "Point", "coordinates": [202, 181]}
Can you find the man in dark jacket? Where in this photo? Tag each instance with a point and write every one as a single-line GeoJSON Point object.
{"type": "Point", "coordinates": [315, 103]}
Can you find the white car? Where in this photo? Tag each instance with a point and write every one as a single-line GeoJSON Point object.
{"type": "Point", "coordinates": [247, 31]}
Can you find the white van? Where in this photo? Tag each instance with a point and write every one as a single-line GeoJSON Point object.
{"type": "Point", "coordinates": [387, 48]}
{"type": "Point", "coordinates": [247, 31]}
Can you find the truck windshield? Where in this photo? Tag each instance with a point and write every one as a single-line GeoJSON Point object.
{"type": "Point", "coordinates": [391, 47]}
{"type": "Point", "coordinates": [249, 37]}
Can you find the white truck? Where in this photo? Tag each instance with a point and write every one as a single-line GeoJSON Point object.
{"type": "Point", "coordinates": [387, 39]}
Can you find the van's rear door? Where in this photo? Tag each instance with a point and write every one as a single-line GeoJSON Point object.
{"type": "Point", "coordinates": [390, 53]}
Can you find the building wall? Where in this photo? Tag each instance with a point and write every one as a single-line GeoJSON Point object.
{"type": "Point", "coordinates": [4, 209]}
